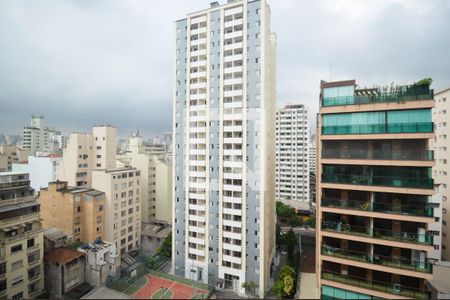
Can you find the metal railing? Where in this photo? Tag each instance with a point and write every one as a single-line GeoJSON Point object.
{"type": "Point", "coordinates": [390, 288]}
{"type": "Point", "coordinates": [25, 217]}
{"type": "Point", "coordinates": [388, 261]}
{"type": "Point", "coordinates": [400, 236]}
{"type": "Point", "coordinates": [419, 127]}
{"type": "Point", "coordinates": [381, 98]}
{"type": "Point", "coordinates": [14, 184]}
{"type": "Point", "coordinates": [419, 155]}
{"type": "Point", "coordinates": [23, 235]}
{"type": "Point", "coordinates": [384, 207]}
{"type": "Point", "coordinates": [365, 179]}
{"type": "Point", "coordinates": [16, 200]}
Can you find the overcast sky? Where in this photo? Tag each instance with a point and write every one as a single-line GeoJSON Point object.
{"type": "Point", "coordinates": [83, 62]}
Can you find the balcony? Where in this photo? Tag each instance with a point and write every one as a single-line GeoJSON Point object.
{"type": "Point", "coordinates": [15, 184]}
{"type": "Point", "coordinates": [414, 95]}
{"type": "Point", "coordinates": [425, 155]}
{"type": "Point", "coordinates": [389, 176]}
{"type": "Point", "coordinates": [419, 127]}
{"type": "Point", "coordinates": [23, 218]}
{"type": "Point", "coordinates": [378, 233]}
{"type": "Point", "coordinates": [383, 207]}
{"type": "Point", "coordinates": [393, 262]}
{"type": "Point", "coordinates": [16, 200]}
{"type": "Point", "coordinates": [390, 288]}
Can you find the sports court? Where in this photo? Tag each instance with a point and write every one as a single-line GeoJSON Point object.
{"type": "Point", "coordinates": [161, 288]}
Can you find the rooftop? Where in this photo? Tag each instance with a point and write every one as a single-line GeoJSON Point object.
{"type": "Point", "coordinates": [54, 234]}
{"type": "Point", "coordinates": [62, 256]}
{"type": "Point", "coordinates": [441, 275]}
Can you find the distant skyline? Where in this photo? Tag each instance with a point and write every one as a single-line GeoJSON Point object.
{"type": "Point", "coordinates": [83, 63]}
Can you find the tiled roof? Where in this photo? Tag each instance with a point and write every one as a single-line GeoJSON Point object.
{"type": "Point", "coordinates": [62, 256]}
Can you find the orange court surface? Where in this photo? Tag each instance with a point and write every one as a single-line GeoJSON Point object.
{"type": "Point", "coordinates": [160, 288]}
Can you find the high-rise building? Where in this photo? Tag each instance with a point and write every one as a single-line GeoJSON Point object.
{"type": "Point", "coordinates": [122, 206]}
{"type": "Point", "coordinates": [312, 156]}
{"type": "Point", "coordinates": [88, 151]}
{"type": "Point", "coordinates": [156, 181]}
{"type": "Point", "coordinates": [292, 165]}
{"type": "Point", "coordinates": [224, 146]}
{"type": "Point", "coordinates": [76, 211]}
{"type": "Point", "coordinates": [377, 208]}
{"type": "Point", "coordinates": [37, 137]}
{"type": "Point", "coordinates": [441, 120]}
{"type": "Point", "coordinates": [21, 239]}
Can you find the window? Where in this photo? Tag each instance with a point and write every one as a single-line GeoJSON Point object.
{"type": "Point", "coordinates": [16, 248]}
{"type": "Point", "coordinates": [16, 265]}
{"type": "Point", "coordinates": [18, 296]}
{"type": "Point", "coordinates": [17, 281]}
{"type": "Point", "coordinates": [30, 243]}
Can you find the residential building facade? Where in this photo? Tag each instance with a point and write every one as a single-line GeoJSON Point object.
{"type": "Point", "coordinates": [156, 181]}
{"type": "Point", "coordinates": [441, 118]}
{"type": "Point", "coordinates": [312, 156]}
{"type": "Point", "coordinates": [86, 152]}
{"type": "Point", "coordinates": [21, 239]}
{"type": "Point", "coordinates": [377, 203]}
{"type": "Point", "coordinates": [64, 271]}
{"type": "Point", "coordinates": [224, 146]}
{"type": "Point", "coordinates": [10, 155]}
{"type": "Point", "coordinates": [292, 165]}
{"type": "Point", "coordinates": [122, 206]}
{"type": "Point", "coordinates": [101, 261]}
{"type": "Point", "coordinates": [79, 212]}
{"type": "Point", "coordinates": [37, 137]}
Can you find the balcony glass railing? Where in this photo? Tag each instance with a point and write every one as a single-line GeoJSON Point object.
{"type": "Point", "coordinates": [390, 288]}
{"type": "Point", "coordinates": [360, 179]}
{"type": "Point", "coordinates": [384, 207]}
{"type": "Point", "coordinates": [379, 233]}
{"type": "Point", "coordinates": [382, 98]}
{"type": "Point", "coordinates": [420, 127]}
{"type": "Point", "coordinates": [388, 261]}
{"type": "Point", "coordinates": [427, 155]}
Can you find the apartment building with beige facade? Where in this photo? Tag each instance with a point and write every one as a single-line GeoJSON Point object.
{"type": "Point", "coordinates": [377, 208]}
{"type": "Point", "coordinates": [86, 152]}
{"type": "Point", "coordinates": [122, 206]}
{"type": "Point", "coordinates": [79, 212]}
{"type": "Point", "coordinates": [21, 239]}
{"type": "Point", "coordinates": [156, 181]}
{"type": "Point", "coordinates": [10, 155]}
{"type": "Point", "coordinates": [441, 118]}
{"type": "Point", "coordinates": [224, 146]}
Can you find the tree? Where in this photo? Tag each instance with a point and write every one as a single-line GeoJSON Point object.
{"type": "Point", "coordinates": [288, 282]}
{"type": "Point", "coordinates": [284, 286]}
{"type": "Point", "coordinates": [150, 262]}
{"type": "Point", "coordinates": [166, 248]}
{"type": "Point", "coordinates": [291, 242]}
{"type": "Point", "coordinates": [278, 289]}
{"type": "Point", "coordinates": [249, 287]}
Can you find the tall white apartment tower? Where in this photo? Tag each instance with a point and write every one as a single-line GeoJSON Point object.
{"type": "Point", "coordinates": [441, 113]}
{"type": "Point", "coordinates": [224, 146]}
{"type": "Point", "coordinates": [292, 169]}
